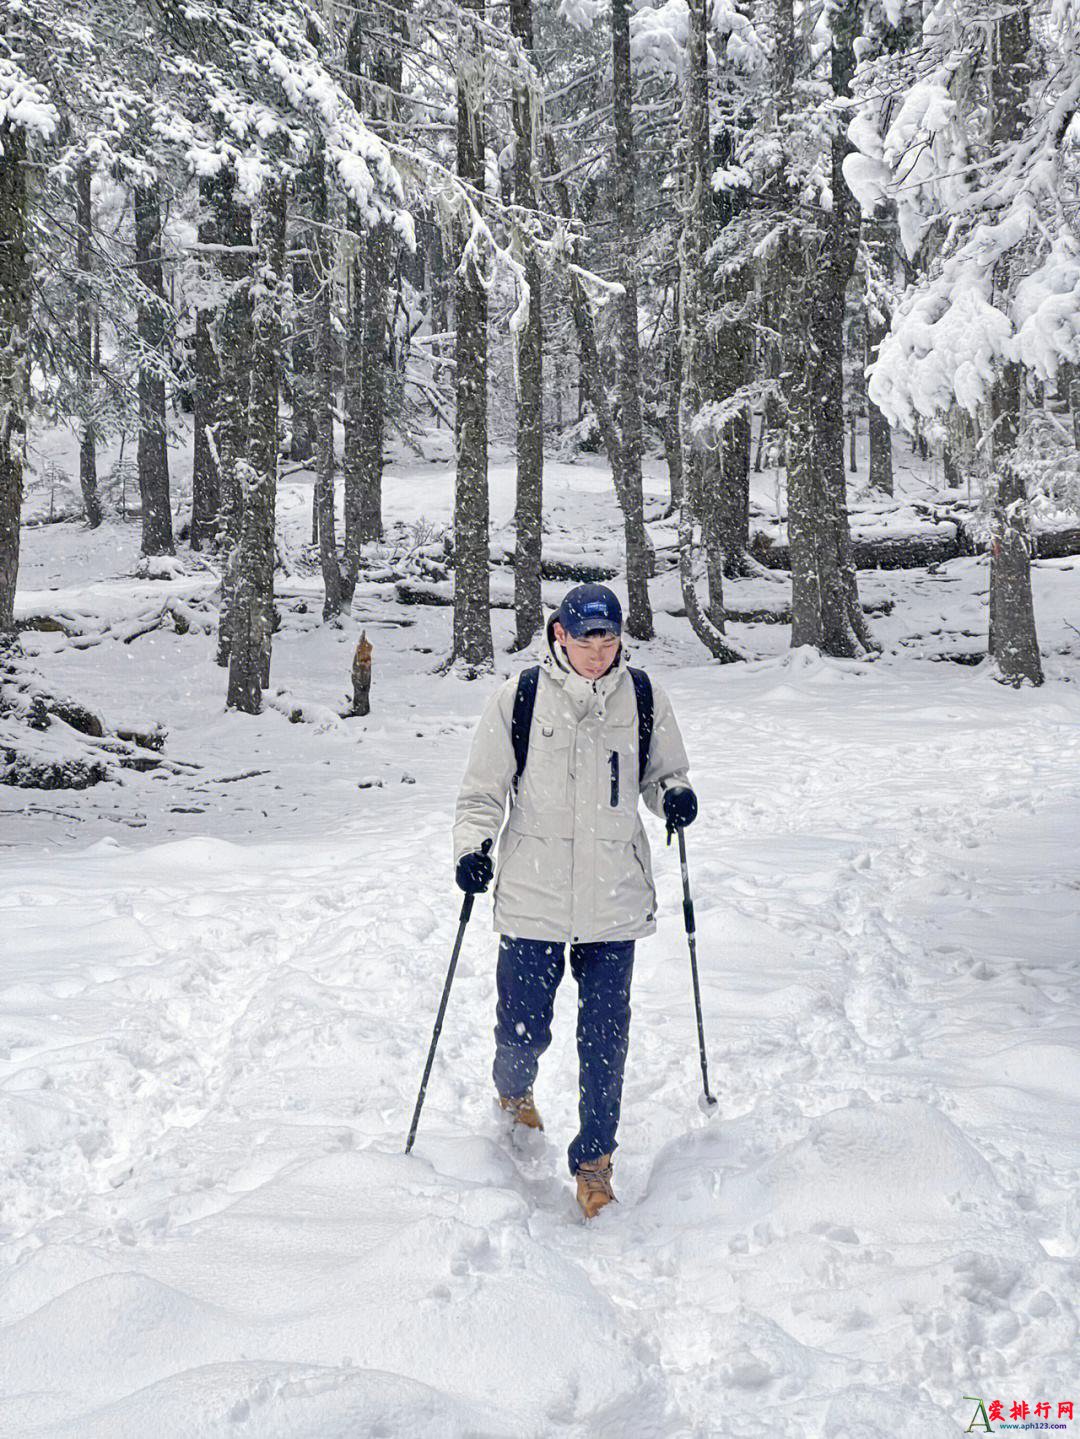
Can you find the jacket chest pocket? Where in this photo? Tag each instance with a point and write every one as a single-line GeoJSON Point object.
{"type": "Point", "coordinates": [617, 790]}
{"type": "Point", "coordinates": [547, 770]}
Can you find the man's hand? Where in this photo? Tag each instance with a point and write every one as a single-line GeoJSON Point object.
{"type": "Point", "coordinates": [474, 871]}
{"type": "Point", "coordinates": [680, 807]}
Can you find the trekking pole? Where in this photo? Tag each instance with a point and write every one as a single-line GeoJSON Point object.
{"type": "Point", "coordinates": [691, 934]}
{"type": "Point", "coordinates": [466, 911]}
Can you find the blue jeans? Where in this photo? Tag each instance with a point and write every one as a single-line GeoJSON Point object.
{"type": "Point", "coordinates": [528, 975]}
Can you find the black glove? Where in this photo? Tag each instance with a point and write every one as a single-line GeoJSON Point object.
{"type": "Point", "coordinates": [474, 871]}
{"type": "Point", "coordinates": [680, 807]}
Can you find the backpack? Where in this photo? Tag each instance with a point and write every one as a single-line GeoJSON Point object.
{"type": "Point", "coordinates": [525, 703]}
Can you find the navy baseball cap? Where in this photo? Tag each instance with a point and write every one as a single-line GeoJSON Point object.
{"type": "Point", "coordinates": [591, 609]}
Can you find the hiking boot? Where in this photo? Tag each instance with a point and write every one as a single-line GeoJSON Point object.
{"type": "Point", "coordinates": [523, 1109]}
{"type": "Point", "coordinates": [594, 1185]}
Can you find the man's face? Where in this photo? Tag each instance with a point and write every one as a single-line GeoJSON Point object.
{"type": "Point", "coordinates": [592, 656]}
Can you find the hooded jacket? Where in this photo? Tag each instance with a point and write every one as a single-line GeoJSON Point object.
{"type": "Point", "coordinates": [573, 861]}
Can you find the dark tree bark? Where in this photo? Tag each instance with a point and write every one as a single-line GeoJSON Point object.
{"type": "Point", "coordinates": [591, 385]}
{"type": "Point", "coordinates": [673, 386]}
{"type": "Point", "coordinates": [639, 621]}
{"type": "Point", "coordinates": [384, 65]}
{"type": "Point", "coordinates": [14, 389]}
{"type": "Point", "coordinates": [440, 302]}
{"type": "Point", "coordinates": [590, 372]}
{"type": "Point", "coordinates": [322, 248]}
{"type": "Point", "coordinates": [877, 230]}
{"type": "Point", "coordinates": [472, 645]}
{"type": "Point", "coordinates": [1069, 387]}
{"type": "Point", "coordinates": [205, 481]}
{"type": "Point", "coordinates": [352, 466]}
{"type": "Point", "coordinates": [529, 504]}
{"type": "Point", "coordinates": [253, 599]}
{"type": "Point", "coordinates": [303, 377]}
{"type": "Point", "coordinates": [1013, 640]}
{"type": "Point", "coordinates": [153, 453]}
{"type": "Point", "coordinates": [693, 297]}
{"type": "Point", "coordinates": [379, 53]}
{"type": "Point", "coordinates": [730, 370]}
{"type": "Point", "coordinates": [234, 355]}
{"type": "Point", "coordinates": [814, 272]}
{"type": "Point", "coordinates": [84, 337]}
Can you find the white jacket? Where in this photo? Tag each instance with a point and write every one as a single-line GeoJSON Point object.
{"type": "Point", "coordinates": [573, 862]}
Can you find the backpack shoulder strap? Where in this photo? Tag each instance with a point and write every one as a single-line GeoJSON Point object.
{"type": "Point", "coordinates": [644, 695]}
{"type": "Point", "coordinates": [521, 720]}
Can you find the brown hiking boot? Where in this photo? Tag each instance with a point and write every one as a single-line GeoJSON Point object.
{"type": "Point", "coordinates": [594, 1185]}
{"type": "Point", "coordinates": [523, 1109]}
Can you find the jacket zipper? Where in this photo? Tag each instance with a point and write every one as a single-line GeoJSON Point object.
{"type": "Point", "coordinates": [614, 779]}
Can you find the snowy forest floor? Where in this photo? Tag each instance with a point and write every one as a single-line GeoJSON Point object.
{"type": "Point", "coordinates": [217, 989]}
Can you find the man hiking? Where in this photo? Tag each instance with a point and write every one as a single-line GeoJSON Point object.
{"type": "Point", "coordinates": [573, 861]}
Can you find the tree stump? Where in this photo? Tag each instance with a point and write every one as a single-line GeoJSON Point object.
{"type": "Point", "coordinates": [361, 677]}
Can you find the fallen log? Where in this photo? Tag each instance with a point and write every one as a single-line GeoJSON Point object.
{"type": "Point", "coordinates": [920, 551]}
{"type": "Point", "coordinates": [777, 614]}
{"type": "Point", "coordinates": [580, 571]}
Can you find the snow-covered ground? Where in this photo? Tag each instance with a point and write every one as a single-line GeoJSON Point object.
{"type": "Point", "coordinates": [218, 981]}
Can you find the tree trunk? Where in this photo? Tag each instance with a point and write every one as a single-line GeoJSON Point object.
{"type": "Point", "coordinates": [590, 374]}
{"type": "Point", "coordinates": [639, 622]}
{"type": "Point", "coordinates": [303, 378]}
{"type": "Point", "coordinates": [14, 377]}
{"type": "Point", "coordinates": [153, 453]}
{"type": "Point", "coordinates": [529, 504]}
{"type": "Point", "coordinates": [205, 481]}
{"type": "Point", "coordinates": [877, 230]}
{"type": "Point", "coordinates": [731, 368]}
{"type": "Point", "coordinates": [324, 523]}
{"type": "Point", "coordinates": [374, 296]}
{"type": "Point", "coordinates": [352, 468]}
{"type": "Point", "coordinates": [440, 303]}
{"type": "Point", "coordinates": [1074, 401]}
{"type": "Point", "coordinates": [826, 612]}
{"type": "Point", "coordinates": [472, 644]}
{"type": "Point", "coordinates": [1013, 640]}
{"type": "Point", "coordinates": [693, 292]}
{"type": "Point", "coordinates": [673, 385]}
{"type": "Point", "coordinates": [234, 354]}
{"type": "Point", "coordinates": [84, 338]}
{"type": "Point", "coordinates": [253, 601]}
{"type": "Point", "coordinates": [384, 63]}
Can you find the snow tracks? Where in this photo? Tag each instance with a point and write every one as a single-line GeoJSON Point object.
{"type": "Point", "coordinates": [209, 1053]}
